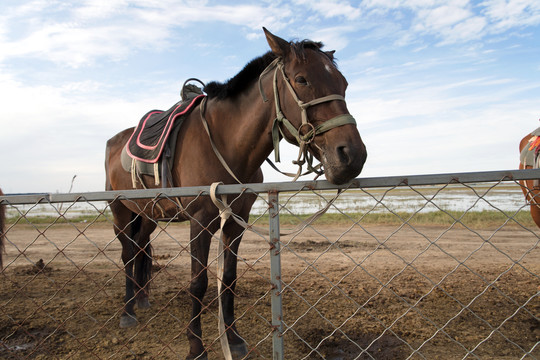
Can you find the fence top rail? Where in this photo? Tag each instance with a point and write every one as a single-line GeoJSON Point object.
{"type": "Point", "coordinates": [359, 183]}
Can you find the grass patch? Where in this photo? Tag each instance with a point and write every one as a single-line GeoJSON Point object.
{"type": "Point", "coordinates": [476, 219]}
{"type": "Point", "coordinates": [49, 219]}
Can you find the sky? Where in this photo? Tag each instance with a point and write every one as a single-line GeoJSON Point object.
{"type": "Point", "coordinates": [435, 86]}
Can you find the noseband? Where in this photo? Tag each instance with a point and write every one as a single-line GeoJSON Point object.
{"type": "Point", "coordinates": [311, 131]}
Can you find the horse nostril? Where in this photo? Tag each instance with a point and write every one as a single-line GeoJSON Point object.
{"type": "Point", "coordinates": [343, 154]}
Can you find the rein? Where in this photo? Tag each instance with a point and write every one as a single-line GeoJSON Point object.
{"type": "Point", "coordinates": [302, 140]}
{"type": "Point", "coordinates": [214, 147]}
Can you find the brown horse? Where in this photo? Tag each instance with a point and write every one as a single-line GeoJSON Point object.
{"type": "Point", "coordinates": [293, 91]}
{"type": "Point", "coordinates": [530, 188]}
{"type": "Point", "coordinates": [2, 229]}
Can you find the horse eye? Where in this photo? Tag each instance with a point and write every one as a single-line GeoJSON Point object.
{"type": "Point", "coordinates": [301, 80]}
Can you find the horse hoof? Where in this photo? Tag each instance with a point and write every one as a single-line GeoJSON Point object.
{"type": "Point", "coordinates": [202, 356]}
{"type": "Point", "coordinates": [239, 351]}
{"type": "Point", "coordinates": [143, 303]}
{"type": "Point", "coordinates": [127, 321]}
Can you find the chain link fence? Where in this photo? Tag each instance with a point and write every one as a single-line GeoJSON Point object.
{"type": "Point", "coordinates": [419, 267]}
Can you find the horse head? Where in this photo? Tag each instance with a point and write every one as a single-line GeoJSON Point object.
{"type": "Point", "coordinates": [309, 93]}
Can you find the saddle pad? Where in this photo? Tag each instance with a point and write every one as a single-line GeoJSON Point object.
{"type": "Point", "coordinates": [142, 168]}
{"type": "Point", "coordinates": [150, 136]}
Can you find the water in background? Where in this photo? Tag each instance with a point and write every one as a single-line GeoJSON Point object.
{"type": "Point", "coordinates": [421, 199]}
{"type": "Point", "coordinates": [508, 198]}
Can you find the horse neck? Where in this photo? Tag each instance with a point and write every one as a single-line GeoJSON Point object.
{"type": "Point", "coordinates": [241, 129]}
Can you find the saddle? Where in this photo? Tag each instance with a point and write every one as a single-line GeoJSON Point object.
{"type": "Point", "coordinates": [529, 156]}
{"type": "Point", "coordinates": [150, 149]}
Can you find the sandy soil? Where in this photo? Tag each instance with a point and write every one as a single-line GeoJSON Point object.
{"type": "Point", "coordinates": [382, 292]}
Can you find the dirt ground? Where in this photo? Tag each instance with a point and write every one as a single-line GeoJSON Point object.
{"type": "Point", "coordinates": [382, 292]}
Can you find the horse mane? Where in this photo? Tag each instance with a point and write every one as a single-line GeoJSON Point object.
{"type": "Point", "coordinates": [253, 70]}
{"type": "Point", "coordinates": [241, 81]}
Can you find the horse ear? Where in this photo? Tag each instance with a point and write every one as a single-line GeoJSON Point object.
{"type": "Point", "coordinates": [278, 46]}
{"type": "Point", "coordinates": [330, 54]}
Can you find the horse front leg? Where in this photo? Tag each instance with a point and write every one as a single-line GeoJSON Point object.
{"type": "Point", "coordinates": [200, 246]}
{"type": "Point", "coordinates": [232, 236]}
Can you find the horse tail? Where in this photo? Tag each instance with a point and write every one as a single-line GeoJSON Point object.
{"type": "Point", "coordinates": [2, 230]}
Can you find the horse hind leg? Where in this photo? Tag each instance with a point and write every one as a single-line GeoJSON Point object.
{"type": "Point", "coordinates": [136, 257]}
{"type": "Point", "coordinates": [143, 263]}
{"type": "Point", "coordinates": [125, 234]}
{"type": "Point", "coordinates": [140, 260]}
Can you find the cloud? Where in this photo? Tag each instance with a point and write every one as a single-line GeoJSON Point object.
{"type": "Point", "coordinates": [75, 46]}
{"type": "Point", "coordinates": [85, 33]}
{"type": "Point", "coordinates": [456, 21]}
{"type": "Point", "coordinates": [250, 16]}
{"type": "Point", "coordinates": [81, 35]}
{"type": "Point", "coordinates": [506, 14]}
{"type": "Point", "coordinates": [77, 36]}
{"type": "Point", "coordinates": [429, 130]}
{"type": "Point", "coordinates": [333, 38]}
{"type": "Point", "coordinates": [332, 8]}
{"type": "Point", "coordinates": [98, 9]}
{"type": "Point", "coordinates": [442, 17]}
{"type": "Point", "coordinates": [58, 131]}
{"type": "Point", "coordinates": [440, 114]}
{"type": "Point", "coordinates": [483, 138]}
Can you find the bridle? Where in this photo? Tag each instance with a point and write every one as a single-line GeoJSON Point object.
{"type": "Point", "coordinates": [302, 140]}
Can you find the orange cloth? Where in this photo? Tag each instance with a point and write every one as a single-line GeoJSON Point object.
{"type": "Point", "coordinates": [535, 141]}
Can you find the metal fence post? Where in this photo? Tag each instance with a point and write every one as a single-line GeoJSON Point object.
{"type": "Point", "coordinates": [275, 270]}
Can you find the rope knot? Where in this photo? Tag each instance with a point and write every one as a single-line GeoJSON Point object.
{"type": "Point", "coordinates": [309, 135]}
{"type": "Point", "coordinates": [226, 212]}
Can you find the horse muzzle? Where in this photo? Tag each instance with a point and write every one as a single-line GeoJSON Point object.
{"type": "Point", "coordinates": [343, 157]}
